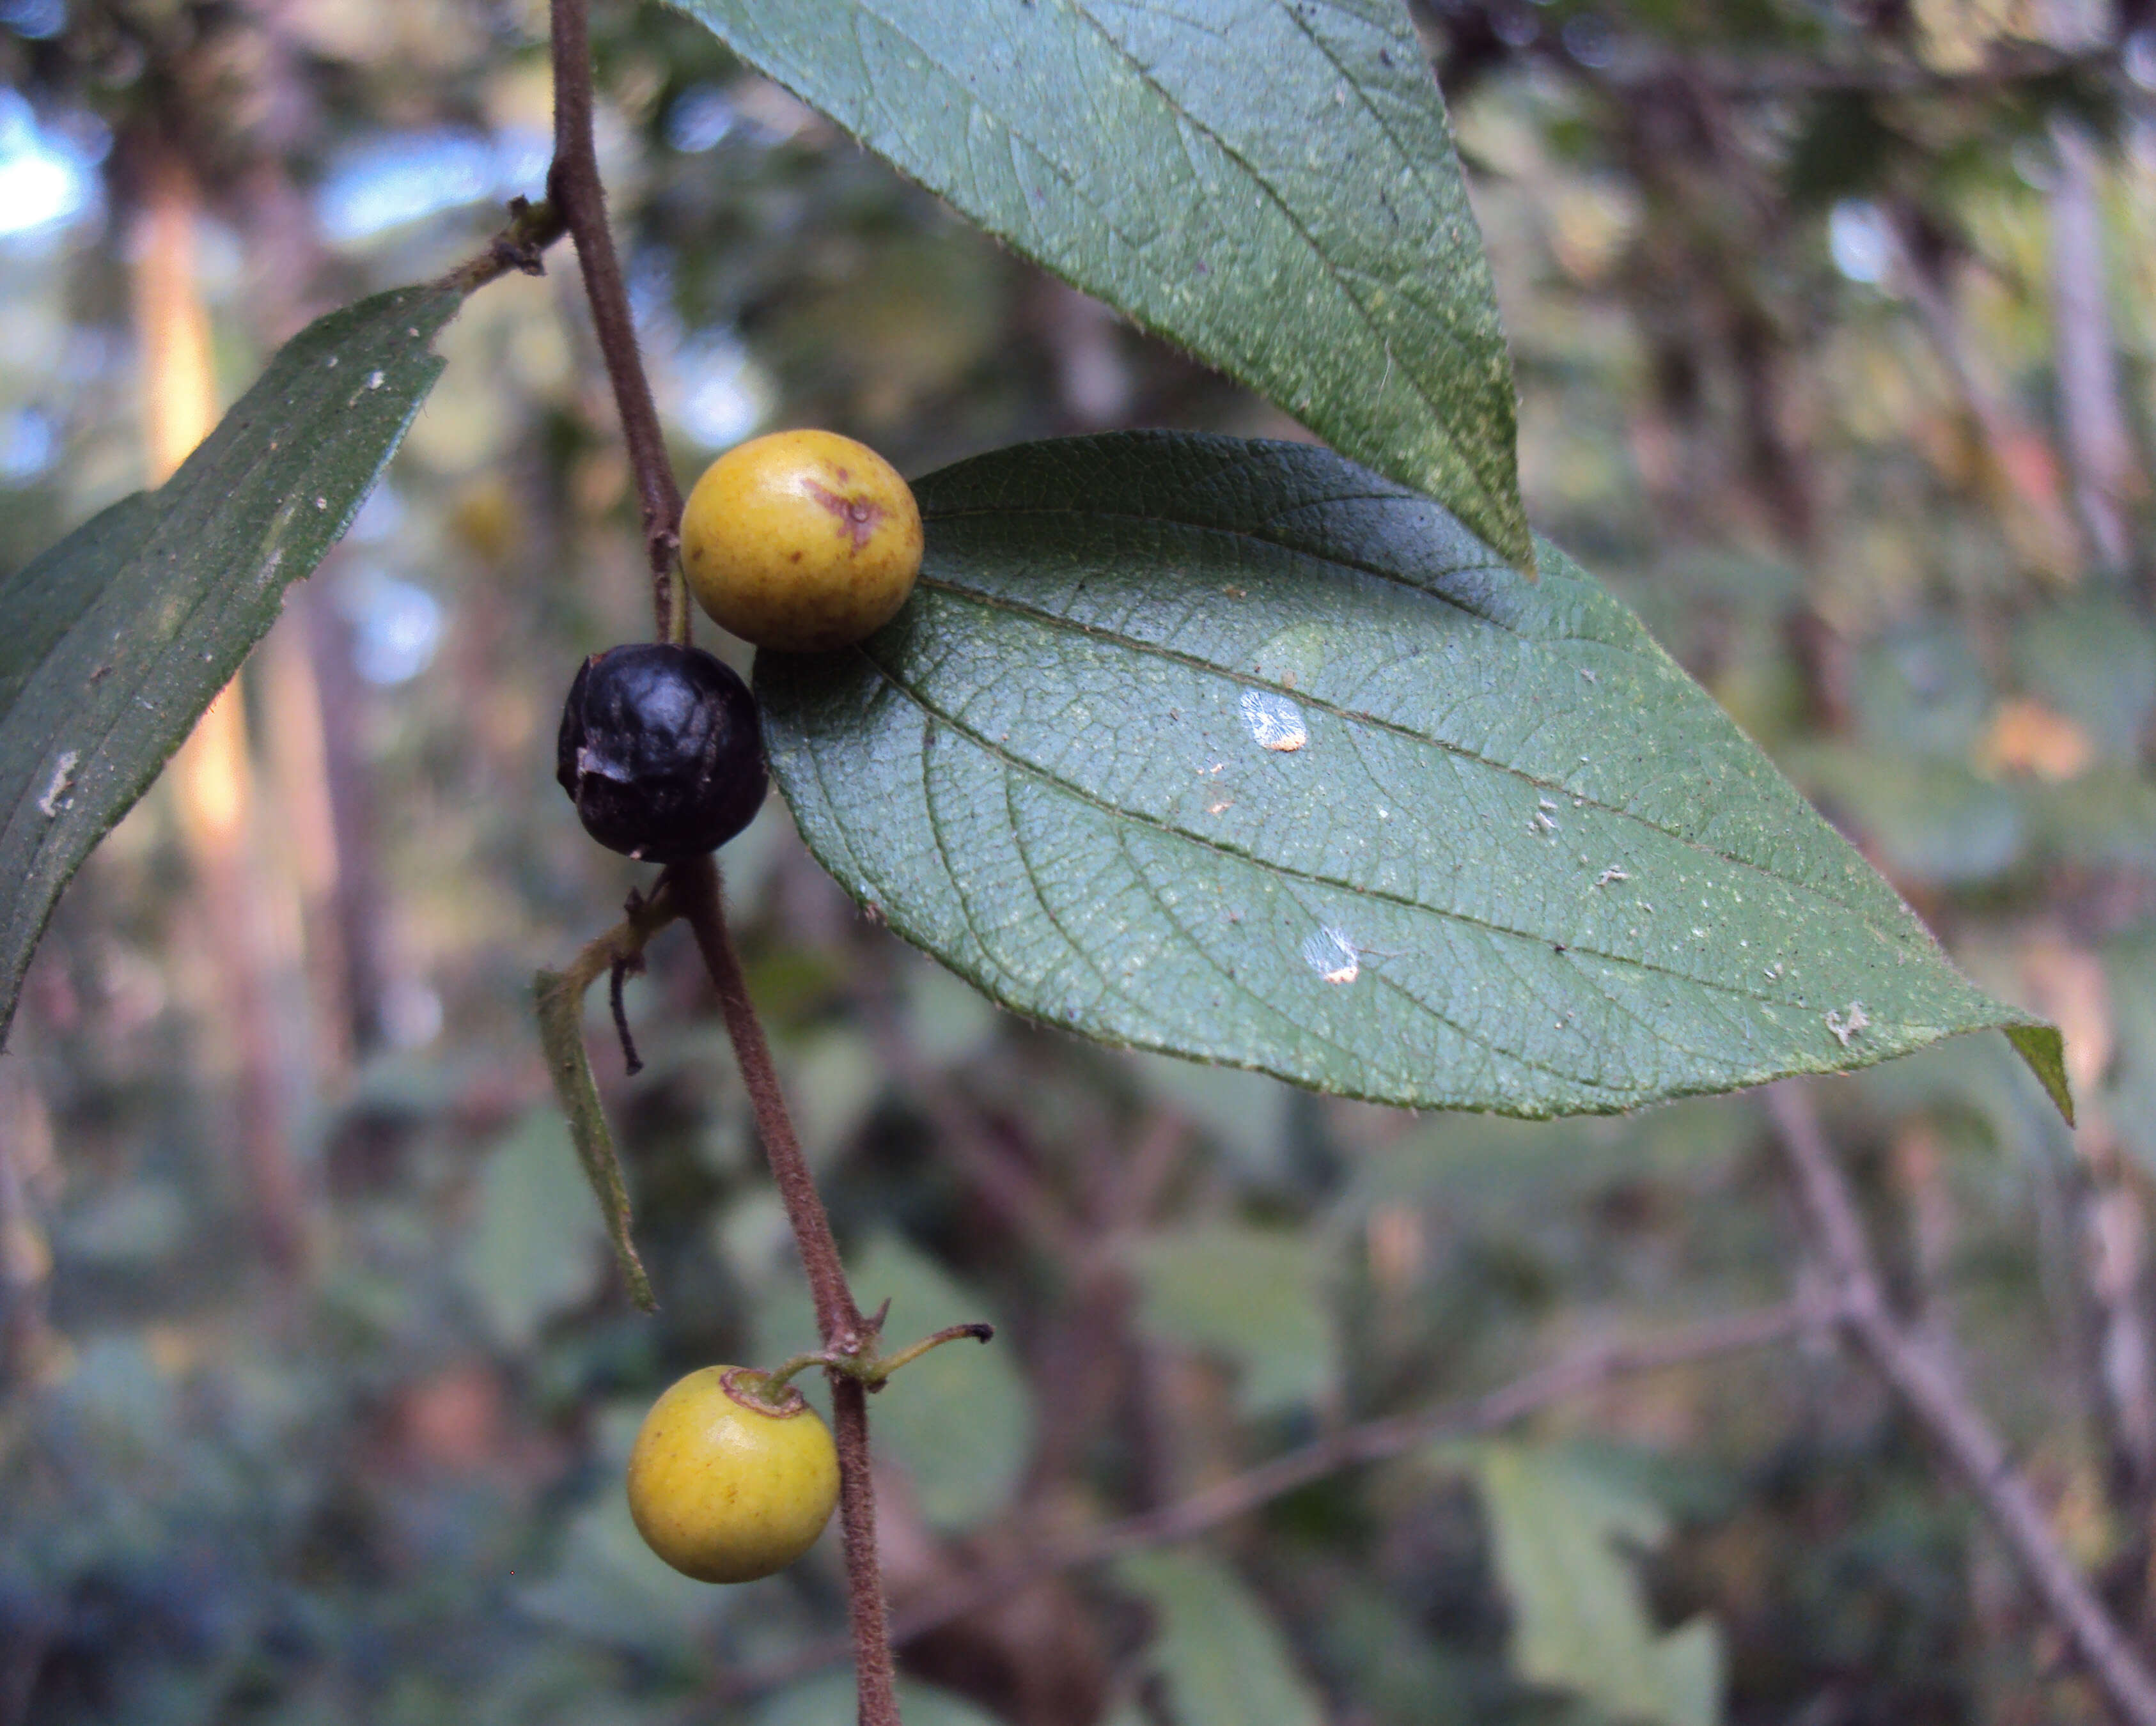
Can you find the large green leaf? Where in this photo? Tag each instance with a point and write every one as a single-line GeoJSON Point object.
{"type": "Point", "coordinates": [1238, 751]}
{"type": "Point", "coordinates": [1270, 183]}
{"type": "Point", "coordinates": [113, 642]}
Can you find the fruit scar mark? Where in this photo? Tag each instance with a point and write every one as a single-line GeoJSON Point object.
{"type": "Point", "coordinates": [857, 516]}
{"type": "Point", "coordinates": [49, 805]}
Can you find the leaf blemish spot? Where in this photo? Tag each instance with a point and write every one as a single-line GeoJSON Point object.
{"type": "Point", "coordinates": [1846, 1025]}
{"type": "Point", "coordinates": [49, 805]}
{"type": "Point", "coordinates": [1331, 956]}
{"type": "Point", "coordinates": [1275, 723]}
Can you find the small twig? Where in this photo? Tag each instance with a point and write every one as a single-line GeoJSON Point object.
{"type": "Point", "coordinates": [620, 970]}
{"type": "Point", "coordinates": [696, 886]}
{"type": "Point", "coordinates": [1351, 1447]}
{"type": "Point", "coordinates": [574, 187]}
{"type": "Point", "coordinates": [519, 246]}
{"type": "Point", "coordinates": [1935, 1393]}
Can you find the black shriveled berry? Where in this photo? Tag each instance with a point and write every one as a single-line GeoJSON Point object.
{"type": "Point", "coordinates": [660, 751]}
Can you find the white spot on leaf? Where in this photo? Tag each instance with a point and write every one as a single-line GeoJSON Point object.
{"type": "Point", "coordinates": [1846, 1025]}
{"type": "Point", "coordinates": [1331, 956]}
{"type": "Point", "coordinates": [49, 805]}
{"type": "Point", "coordinates": [1275, 722]}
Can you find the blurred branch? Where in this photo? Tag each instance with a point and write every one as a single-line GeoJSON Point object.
{"type": "Point", "coordinates": [212, 774]}
{"type": "Point", "coordinates": [1351, 1447]}
{"type": "Point", "coordinates": [2004, 69]}
{"type": "Point", "coordinates": [1477, 41]}
{"type": "Point", "coordinates": [2099, 448]}
{"type": "Point", "coordinates": [573, 187]}
{"type": "Point", "coordinates": [1933, 1392]}
{"type": "Point", "coordinates": [2018, 453]}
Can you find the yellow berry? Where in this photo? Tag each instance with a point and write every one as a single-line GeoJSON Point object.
{"type": "Point", "coordinates": [801, 540]}
{"type": "Point", "coordinates": [724, 1487]}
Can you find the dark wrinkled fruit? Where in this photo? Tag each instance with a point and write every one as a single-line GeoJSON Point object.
{"type": "Point", "coordinates": [660, 751]}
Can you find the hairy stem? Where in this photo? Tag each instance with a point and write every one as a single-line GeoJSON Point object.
{"type": "Point", "coordinates": [575, 191]}
{"type": "Point", "coordinates": [695, 888]}
{"type": "Point", "coordinates": [574, 188]}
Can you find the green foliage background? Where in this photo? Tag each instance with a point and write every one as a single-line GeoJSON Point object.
{"type": "Point", "coordinates": [386, 1489]}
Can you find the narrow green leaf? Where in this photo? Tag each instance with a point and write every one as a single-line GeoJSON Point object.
{"type": "Point", "coordinates": [1579, 1616]}
{"type": "Point", "coordinates": [1216, 1648]}
{"type": "Point", "coordinates": [1237, 751]}
{"type": "Point", "coordinates": [1270, 183]}
{"type": "Point", "coordinates": [113, 641]}
{"type": "Point", "coordinates": [561, 1009]}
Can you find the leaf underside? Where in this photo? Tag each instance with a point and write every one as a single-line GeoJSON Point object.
{"type": "Point", "coordinates": [1238, 751]}
{"type": "Point", "coordinates": [1270, 183]}
{"type": "Point", "coordinates": [113, 641]}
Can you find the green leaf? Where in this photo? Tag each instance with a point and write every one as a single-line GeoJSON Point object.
{"type": "Point", "coordinates": [113, 641]}
{"type": "Point", "coordinates": [1239, 752]}
{"type": "Point", "coordinates": [1215, 1646]}
{"type": "Point", "coordinates": [958, 1419]}
{"type": "Point", "coordinates": [1250, 1294]}
{"type": "Point", "coordinates": [532, 1250]}
{"type": "Point", "coordinates": [1270, 183]}
{"type": "Point", "coordinates": [1579, 1617]}
{"type": "Point", "coordinates": [1933, 820]}
{"type": "Point", "coordinates": [609, 1586]}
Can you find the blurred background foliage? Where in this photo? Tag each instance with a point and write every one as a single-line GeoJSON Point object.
{"type": "Point", "coordinates": [1835, 326]}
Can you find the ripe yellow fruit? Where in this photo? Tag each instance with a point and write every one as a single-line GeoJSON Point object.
{"type": "Point", "coordinates": [801, 540]}
{"type": "Point", "coordinates": [723, 1488]}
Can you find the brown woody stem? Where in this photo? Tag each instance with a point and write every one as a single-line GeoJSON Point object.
{"type": "Point", "coordinates": [574, 188]}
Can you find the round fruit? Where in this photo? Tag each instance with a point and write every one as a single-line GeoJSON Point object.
{"type": "Point", "coordinates": [726, 1488]}
{"type": "Point", "coordinates": [801, 540]}
{"type": "Point", "coordinates": [660, 751]}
